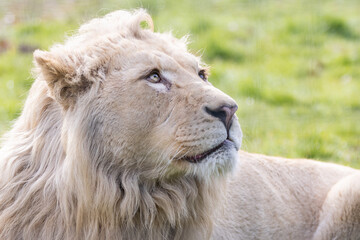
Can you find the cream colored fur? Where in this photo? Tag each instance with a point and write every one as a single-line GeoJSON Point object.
{"type": "Point", "coordinates": [276, 198]}
{"type": "Point", "coordinates": [98, 153]}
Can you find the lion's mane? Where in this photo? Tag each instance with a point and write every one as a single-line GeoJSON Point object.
{"type": "Point", "coordinates": [54, 186]}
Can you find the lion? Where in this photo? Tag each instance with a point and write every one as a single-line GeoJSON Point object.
{"type": "Point", "coordinates": [122, 136]}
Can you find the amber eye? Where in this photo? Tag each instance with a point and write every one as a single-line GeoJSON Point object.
{"type": "Point", "coordinates": [154, 77]}
{"type": "Point", "coordinates": [202, 75]}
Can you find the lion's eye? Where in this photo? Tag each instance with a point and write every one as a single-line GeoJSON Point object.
{"type": "Point", "coordinates": [154, 77]}
{"type": "Point", "coordinates": [202, 75]}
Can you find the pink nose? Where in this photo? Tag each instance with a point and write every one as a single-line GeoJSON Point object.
{"type": "Point", "coordinates": [225, 113]}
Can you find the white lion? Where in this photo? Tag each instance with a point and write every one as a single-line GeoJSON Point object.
{"type": "Point", "coordinates": [123, 137]}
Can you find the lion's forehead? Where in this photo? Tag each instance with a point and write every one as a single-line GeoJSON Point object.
{"type": "Point", "coordinates": [144, 56]}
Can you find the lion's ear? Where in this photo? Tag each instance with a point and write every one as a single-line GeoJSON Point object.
{"type": "Point", "coordinates": [63, 74]}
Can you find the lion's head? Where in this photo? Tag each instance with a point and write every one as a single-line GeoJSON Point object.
{"type": "Point", "coordinates": [122, 137]}
{"type": "Point", "coordinates": [144, 99]}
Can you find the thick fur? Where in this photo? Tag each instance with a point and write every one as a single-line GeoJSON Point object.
{"type": "Point", "coordinates": [98, 153]}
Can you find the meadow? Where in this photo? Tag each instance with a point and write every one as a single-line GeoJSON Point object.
{"type": "Point", "coordinates": [292, 66]}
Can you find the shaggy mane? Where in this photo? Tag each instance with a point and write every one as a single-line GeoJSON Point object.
{"type": "Point", "coordinates": [52, 184]}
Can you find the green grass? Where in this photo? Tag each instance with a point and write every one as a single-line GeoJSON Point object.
{"type": "Point", "coordinates": [292, 66]}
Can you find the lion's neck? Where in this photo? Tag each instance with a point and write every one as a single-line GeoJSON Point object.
{"type": "Point", "coordinates": [175, 208]}
{"type": "Point", "coordinates": [179, 209]}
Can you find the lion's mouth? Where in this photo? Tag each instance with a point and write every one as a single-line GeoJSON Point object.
{"type": "Point", "coordinates": [199, 157]}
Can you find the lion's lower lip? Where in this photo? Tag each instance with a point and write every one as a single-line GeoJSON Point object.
{"type": "Point", "coordinates": [198, 158]}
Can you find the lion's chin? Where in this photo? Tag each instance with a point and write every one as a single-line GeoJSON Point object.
{"type": "Point", "coordinates": [202, 156]}
{"type": "Point", "coordinates": [218, 162]}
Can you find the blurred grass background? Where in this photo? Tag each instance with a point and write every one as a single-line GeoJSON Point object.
{"type": "Point", "coordinates": [293, 66]}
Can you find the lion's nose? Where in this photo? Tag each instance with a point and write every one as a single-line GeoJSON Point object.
{"type": "Point", "coordinates": [224, 113]}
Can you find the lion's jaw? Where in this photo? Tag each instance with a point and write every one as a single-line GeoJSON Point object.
{"type": "Point", "coordinates": [222, 158]}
